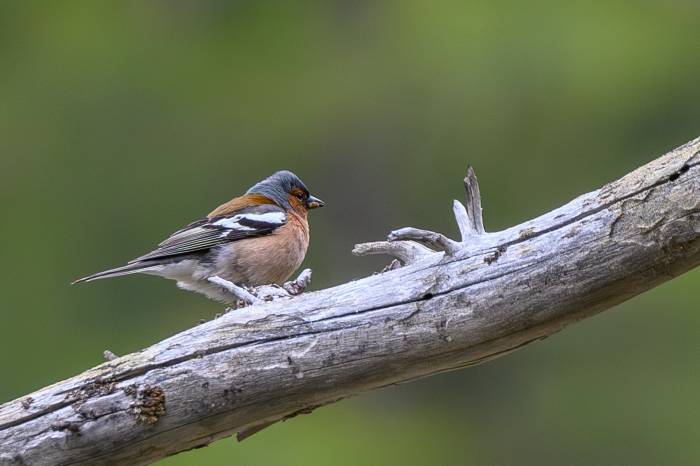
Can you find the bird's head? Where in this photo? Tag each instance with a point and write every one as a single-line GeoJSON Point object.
{"type": "Point", "coordinates": [288, 191]}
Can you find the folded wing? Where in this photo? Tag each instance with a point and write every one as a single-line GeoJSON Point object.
{"type": "Point", "coordinates": [210, 232]}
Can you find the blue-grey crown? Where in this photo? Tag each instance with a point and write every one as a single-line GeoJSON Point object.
{"type": "Point", "coordinates": [278, 186]}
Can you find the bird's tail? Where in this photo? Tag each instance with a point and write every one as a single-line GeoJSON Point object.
{"type": "Point", "coordinates": [137, 267]}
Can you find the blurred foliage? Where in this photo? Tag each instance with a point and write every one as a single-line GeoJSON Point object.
{"type": "Point", "coordinates": [122, 121]}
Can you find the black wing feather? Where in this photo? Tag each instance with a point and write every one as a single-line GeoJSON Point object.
{"type": "Point", "coordinates": [207, 233]}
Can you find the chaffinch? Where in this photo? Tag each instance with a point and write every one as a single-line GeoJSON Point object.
{"type": "Point", "coordinates": [259, 238]}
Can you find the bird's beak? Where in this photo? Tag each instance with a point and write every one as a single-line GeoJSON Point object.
{"type": "Point", "coordinates": [314, 203]}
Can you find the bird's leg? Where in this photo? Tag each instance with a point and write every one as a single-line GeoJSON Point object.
{"type": "Point", "coordinates": [299, 284]}
{"type": "Point", "coordinates": [265, 293]}
{"type": "Point", "coordinates": [238, 292]}
{"type": "Point", "coordinates": [269, 293]}
{"type": "Point", "coordinates": [295, 287]}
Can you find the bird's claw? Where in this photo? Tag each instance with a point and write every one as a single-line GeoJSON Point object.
{"type": "Point", "coordinates": [241, 294]}
{"type": "Point", "coordinates": [299, 284]}
{"type": "Point", "coordinates": [245, 296]}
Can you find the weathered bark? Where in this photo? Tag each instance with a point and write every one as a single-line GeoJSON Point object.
{"type": "Point", "coordinates": [487, 295]}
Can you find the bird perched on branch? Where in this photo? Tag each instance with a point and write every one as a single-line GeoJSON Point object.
{"type": "Point", "coordinates": [256, 239]}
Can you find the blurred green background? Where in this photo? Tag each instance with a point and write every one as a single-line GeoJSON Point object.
{"type": "Point", "coordinates": [121, 121]}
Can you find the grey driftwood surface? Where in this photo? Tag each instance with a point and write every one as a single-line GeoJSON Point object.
{"type": "Point", "coordinates": [483, 297]}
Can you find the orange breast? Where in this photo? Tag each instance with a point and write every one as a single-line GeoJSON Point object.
{"type": "Point", "coordinates": [267, 259]}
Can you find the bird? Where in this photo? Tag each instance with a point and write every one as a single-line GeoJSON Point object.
{"type": "Point", "coordinates": [259, 238]}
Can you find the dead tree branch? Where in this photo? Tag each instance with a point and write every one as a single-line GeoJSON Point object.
{"type": "Point", "coordinates": [474, 300]}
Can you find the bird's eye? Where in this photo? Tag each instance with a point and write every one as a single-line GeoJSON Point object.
{"type": "Point", "coordinates": [300, 196]}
